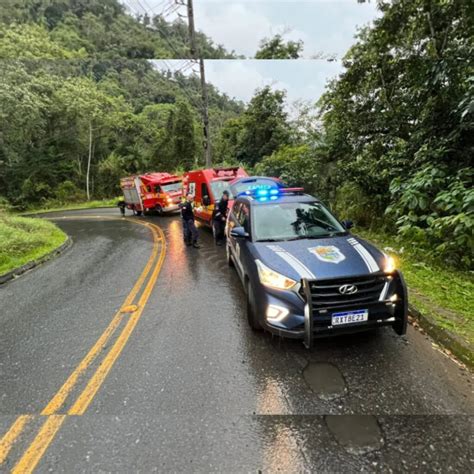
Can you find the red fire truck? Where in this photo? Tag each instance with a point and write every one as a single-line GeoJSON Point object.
{"type": "Point", "coordinates": [152, 192]}
{"type": "Point", "coordinates": [207, 187]}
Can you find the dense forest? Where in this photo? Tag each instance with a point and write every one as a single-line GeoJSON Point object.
{"type": "Point", "coordinates": [65, 29]}
{"type": "Point", "coordinates": [396, 143]}
{"type": "Point", "coordinates": [78, 109]}
{"type": "Point", "coordinates": [390, 144]}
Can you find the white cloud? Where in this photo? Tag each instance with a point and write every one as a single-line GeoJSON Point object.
{"type": "Point", "coordinates": [240, 79]}
{"type": "Point", "coordinates": [239, 27]}
{"type": "Point", "coordinates": [302, 80]}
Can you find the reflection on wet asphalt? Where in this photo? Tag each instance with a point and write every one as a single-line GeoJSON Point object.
{"type": "Point", "coordinates": [196, 390]}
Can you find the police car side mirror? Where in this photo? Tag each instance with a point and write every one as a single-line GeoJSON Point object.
{"type": "Point", "coordinates": [348, 224]}
{"type": "Point", "coordinates": [239, 233]}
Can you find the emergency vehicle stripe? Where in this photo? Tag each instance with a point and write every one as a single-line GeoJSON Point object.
{"type": "Point", "coordinates": [368, 259]}
{"type": "Point", "coordinates": [298, 266]}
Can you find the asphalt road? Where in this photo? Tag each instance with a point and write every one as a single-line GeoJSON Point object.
{"type": "Point", "coordinates": [180, 383]}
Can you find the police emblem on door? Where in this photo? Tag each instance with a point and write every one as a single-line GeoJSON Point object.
{"type": "Point", "coordinates": [328, 253]}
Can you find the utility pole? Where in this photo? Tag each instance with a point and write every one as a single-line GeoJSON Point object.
{"type": "Point", "coordinates": [202, 73]}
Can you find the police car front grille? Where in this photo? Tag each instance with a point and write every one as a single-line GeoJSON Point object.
{"type": "Point", "coordinates": [325, 293]}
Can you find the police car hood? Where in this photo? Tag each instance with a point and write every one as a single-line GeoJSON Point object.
{"type": "Point", "coordinates": [333, 257]}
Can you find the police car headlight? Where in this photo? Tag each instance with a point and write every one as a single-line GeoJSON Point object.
{"type": "Point", "coordinates": [273, 279]}
{"type": "Point", "coordinates": [390, 265]}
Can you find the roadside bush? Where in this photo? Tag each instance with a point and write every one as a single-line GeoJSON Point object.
{"type": "Point", "coordinates": [436, 210]}
{"type": "Point", "coordinates": [351, 202]}
{"type": "Point", "coordinates": [67, 191]}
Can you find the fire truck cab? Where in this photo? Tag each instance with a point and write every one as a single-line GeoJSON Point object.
{"type": "Point", "coordinates": [152, 192]}
{"type": "Point", "coordinates": [207, 187]}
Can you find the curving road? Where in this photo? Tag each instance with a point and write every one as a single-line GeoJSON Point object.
{"type": "Point", "coordinates": [131, 353]}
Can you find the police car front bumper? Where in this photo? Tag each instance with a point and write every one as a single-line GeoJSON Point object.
{"type": "Point", "coordinates": [308, 320]}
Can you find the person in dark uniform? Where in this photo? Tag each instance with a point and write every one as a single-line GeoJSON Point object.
{"type": "Point", "coordinates": [190, 232]}
{"type": "Point", "coordinates": [121, 205]}
{"type": "Point", "coordinates": [219, 218]}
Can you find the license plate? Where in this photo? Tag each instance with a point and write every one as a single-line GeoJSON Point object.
{"type": "Point", "coordinates": [350, 317]}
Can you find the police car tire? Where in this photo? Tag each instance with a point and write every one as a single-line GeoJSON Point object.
{"type": "Point", "coordinates": [251, 314]}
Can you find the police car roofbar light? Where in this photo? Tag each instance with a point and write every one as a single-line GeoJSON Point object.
{"type": "Point", "coordinates": [264, 192]}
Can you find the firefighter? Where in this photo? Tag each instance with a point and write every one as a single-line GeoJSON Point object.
{"type": "Point", "coordinates": [121, 205]}
{"type": "Point", "coordinates": [190, 232]}
{"type": "Point", "coordinates": [219, 218]}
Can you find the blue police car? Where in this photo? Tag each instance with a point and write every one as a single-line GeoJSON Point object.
{"type": "Point", "coordinates": [304, 274]}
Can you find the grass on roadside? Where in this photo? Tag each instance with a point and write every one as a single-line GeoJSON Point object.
{"type": "Point", "coordinates": [25, 239]}
{"type": "Point", "coordinates": [445, 294]}
{"type": "Point", "coordinates": [54, 206]}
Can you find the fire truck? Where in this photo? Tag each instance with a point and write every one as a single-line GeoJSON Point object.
{"type": "Point", "coordinates": [207, 187]}
{"type": "Point", "coordinates": [152, 192]}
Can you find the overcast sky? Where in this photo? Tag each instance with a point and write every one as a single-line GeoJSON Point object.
{"type": "Point", "coordinates": [326, 26]}
{"type": "Point", "coordinates": [302, 79]}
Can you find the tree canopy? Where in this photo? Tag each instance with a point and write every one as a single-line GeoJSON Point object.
{"type": "Point", "coordinates": [277, 48]}
{"type": "Point", "coordinates": [92, 28]}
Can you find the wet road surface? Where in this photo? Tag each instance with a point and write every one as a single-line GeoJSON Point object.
{"type": "Point", "coordinates": [193, 388]}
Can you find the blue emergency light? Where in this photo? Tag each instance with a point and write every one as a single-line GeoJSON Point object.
{"type": "Point", "coordinates": [264, 192]}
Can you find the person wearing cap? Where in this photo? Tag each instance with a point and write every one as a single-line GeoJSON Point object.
{"type": "Point", "coordinates": [219, 218]}
{"type": "Point", "coordinates": [190, 232]}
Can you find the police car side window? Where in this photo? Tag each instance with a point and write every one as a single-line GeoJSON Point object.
{"type": "Point", "coordinates": [236, 211]}
{"type": "Point", "coordinates": [244, 217]}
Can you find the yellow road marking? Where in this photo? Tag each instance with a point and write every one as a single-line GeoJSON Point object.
{"type": "Point", "coordinates": [39, 445]}
{"type": "Point", "coordinates": [57, 401]}
{"type": "Point", "coordinates": [12, 434]}
{"type": "Point", "coordinates": [49, 429]}
{"type": "Point", "coordinates": [81, 404]}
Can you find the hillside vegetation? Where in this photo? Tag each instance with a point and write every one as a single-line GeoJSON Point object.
{"type": "Point", "coordinates": [122, 116]}
{"type": "Point", "coordinates": [64, 29]}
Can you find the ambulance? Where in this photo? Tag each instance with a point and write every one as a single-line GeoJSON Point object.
{"type": "Point", "coordinates": [152, 192]}
{"type": "Point", "coordinates": [207, 187]}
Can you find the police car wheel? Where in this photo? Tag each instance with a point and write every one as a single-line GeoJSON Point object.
{"type": "Point", "coordinates": [230, 262]}
{"type": "Point", "coordinates": [251, 313]}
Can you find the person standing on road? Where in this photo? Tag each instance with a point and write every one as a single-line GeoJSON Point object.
{"type": "Point", "coordinates": [121, 205]}
{"type": "Point", "coordinates": [219, 218]}
{"type": "Point", "coordinates": [190, 232]}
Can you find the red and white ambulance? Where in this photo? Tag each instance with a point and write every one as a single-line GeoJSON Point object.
{"type": "Point", "coordinates": [207, 187]}
{"type": "Point", "coordinates": [152, 192]}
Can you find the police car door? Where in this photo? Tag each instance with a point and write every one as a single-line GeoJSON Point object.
{"type": "Point", "coordinates": [241, 251]}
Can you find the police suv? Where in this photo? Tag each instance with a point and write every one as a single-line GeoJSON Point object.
{"type": "Point", "coordinates": [304, 274]}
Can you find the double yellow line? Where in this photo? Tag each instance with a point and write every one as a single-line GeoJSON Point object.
{"type": "Point", "coordinates": [54, 420]}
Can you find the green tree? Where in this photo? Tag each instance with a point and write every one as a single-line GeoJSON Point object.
{"type": "Point", "coordinates": [184, 140]}
{"type": "Point", "coordinates": [276, 48]}
{"type": "Point", "coordinates": [87, 109]}
{"type": "Point", "coordinates": [402, 106]}
{"type": "Point", "coordinates": [265, 126]}
{"type": "Point", "coordinates": [29, 41]}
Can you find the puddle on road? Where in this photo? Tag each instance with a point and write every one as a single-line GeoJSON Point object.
{"type": "Point", "coordinates": [325, 380]}
{"type": "Point", "coordinates": [358, 434]}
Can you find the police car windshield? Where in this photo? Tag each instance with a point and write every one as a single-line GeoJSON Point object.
{"type": "Point", "coordinates": [172, 187]}
{"type": "Point", "coordinates": [218, 187]}
{"type": "Point", "coordinates": [294, 220]}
